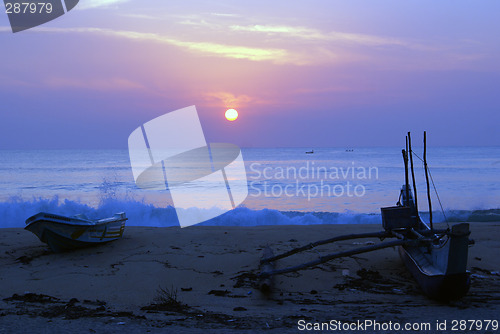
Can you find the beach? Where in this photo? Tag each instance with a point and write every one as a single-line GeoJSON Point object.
{"type": "Point", "coordinates": [203, 278]}
{"type": "Point", "coordinates": [222, 131]}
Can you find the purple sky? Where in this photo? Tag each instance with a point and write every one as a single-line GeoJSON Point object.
{"type": "Point", "coordinates": [309, 74]}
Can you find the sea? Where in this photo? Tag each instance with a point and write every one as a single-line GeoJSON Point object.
{"type": "Point", "coordinates": [286, 186]}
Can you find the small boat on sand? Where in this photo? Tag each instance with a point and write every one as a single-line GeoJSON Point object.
{"type": "Point", "coordinates": [439, 265]}
{"type": "Point", "coordinates": [63, 233]}
{"type": "Point", "coordinates": [437, 258]}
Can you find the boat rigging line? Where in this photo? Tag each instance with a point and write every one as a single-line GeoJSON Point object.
{"type": "Point", "coordinates": [435, 190]}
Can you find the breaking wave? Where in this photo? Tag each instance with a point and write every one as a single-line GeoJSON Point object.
{"type": "Point", "coordinates": [14, 212]}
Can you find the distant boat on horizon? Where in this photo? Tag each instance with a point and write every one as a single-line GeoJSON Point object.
{"type": "Point", "coordinates": [310, 152]}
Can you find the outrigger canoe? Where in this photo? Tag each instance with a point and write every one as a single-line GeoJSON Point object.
{"type": "Point", "coordinates": [437, 259]}
{"type": "Point", "coordinates": [439, 265]}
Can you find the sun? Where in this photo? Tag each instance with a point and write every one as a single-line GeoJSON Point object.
{"type": "Point", "coordinates": [231, 115]}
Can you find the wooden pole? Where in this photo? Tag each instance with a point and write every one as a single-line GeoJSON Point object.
{"type": "Point", "coordinates": [427, 180]}
{"type": "Point", "coordinates": [405, 159]}
{"type": "Point", "coordinates": [407, 176]}
{"type": "Point", "coordinates": [351, 252]}
{"type": "Point", "coordinates": [381, 235]}
{"type": "Point", "coordinates": [413, 175]}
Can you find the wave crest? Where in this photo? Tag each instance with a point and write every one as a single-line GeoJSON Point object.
{"type": "Point", "coordinates": [15, 211]}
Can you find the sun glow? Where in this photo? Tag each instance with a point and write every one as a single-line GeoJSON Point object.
{"type": "Point", "coordinates": [231, 115]}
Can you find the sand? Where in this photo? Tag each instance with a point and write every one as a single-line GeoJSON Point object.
{"type": "Point", "coordinates": [206, 277]}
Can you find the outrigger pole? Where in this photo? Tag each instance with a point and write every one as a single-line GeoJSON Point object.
{"type": "Point", "coordinates": [380, 235]}
{"type": "Point", "coordinates": [329, 257]}
{"type": "Point", "coordinates": [427, 180]}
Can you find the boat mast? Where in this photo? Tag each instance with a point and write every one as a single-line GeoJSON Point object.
{"type": "Point", "coordinates": [413, 175]}
{"type": "Point", "coordinates": [427, 179]}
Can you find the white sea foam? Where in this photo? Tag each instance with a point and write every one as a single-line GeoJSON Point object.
{"type": "Point", "coordinates": [14, 212]}
{"type": "Point", "coordinates": [286, 186]}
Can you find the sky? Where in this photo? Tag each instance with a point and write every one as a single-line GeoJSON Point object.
{"type": "Point", "coordinates": [300, 73]}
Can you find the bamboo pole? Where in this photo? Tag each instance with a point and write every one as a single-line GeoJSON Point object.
{"type": "Point", "coordinates": [427, 180]}
{"type": "Point", "coordinates": [413, 175]}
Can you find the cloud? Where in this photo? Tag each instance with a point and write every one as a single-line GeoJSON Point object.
{"type": "Point", "coordinates": [228, 99]}
{"type": "Point", "coordinates": [87, 4]}
{"type": "Point", "coordinates": [294, 45]}
{"type": "Point", "coordinates": [279, 56]}
{"type": "Point", "coordinates": [334, 89]}
{"type": "Point", "coordinates": [317, 35]}
{"type": "Point", "coordinates": [111, 84]}
{"type": "Point", "coordinates": [9, 82]}
{"type": "Point", "coordinates": [225, 15]}
{"type": "Point", "coordinates": [141, 16]}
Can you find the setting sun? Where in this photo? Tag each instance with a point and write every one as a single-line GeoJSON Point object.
{"type": "Point", "coordinates": [231, 115]}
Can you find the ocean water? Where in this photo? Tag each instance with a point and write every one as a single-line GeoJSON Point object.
{"type": "Point", "coordinates": [286, 186]}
